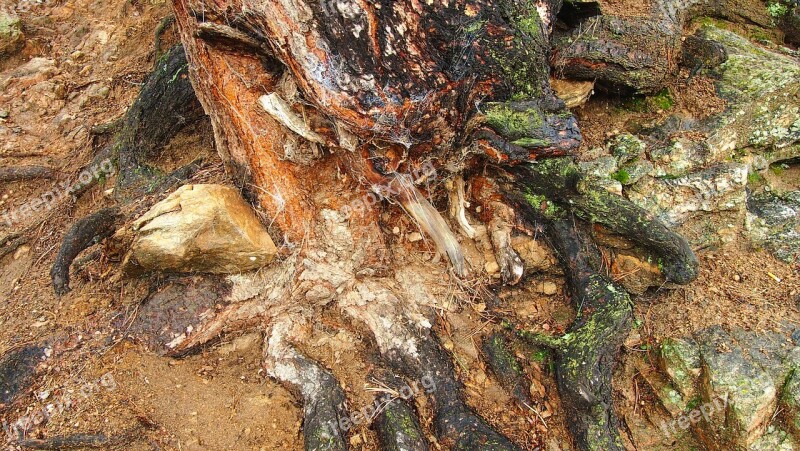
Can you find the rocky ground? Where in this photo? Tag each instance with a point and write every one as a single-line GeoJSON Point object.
{"type": "Point", "coordinates": [708, 366]}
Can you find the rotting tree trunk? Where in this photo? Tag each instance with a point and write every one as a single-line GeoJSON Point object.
{"type": "Point", "coordinates": [316, 103]}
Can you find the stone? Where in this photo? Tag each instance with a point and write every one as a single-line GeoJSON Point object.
{"type": "Point", "coordinates": [573, 93]}
{"type": "Point", "coordinates": [635, 274]}
{"type": "Point", "coordinates": [680, 360]}
{"type": "Point", "coordinates": [11, 37]}
{"type": "Point", "coordinates": [630, 173]}
{"type": "Point", "coordinates": [626, 147]}
{"type": "Point", "coordinates": [200, 228]}
{"type": "Point", "coordinates": [601, 167]}
{"type": "Point", "coordinates": [750, 391]}
{"type": "Point", "coordinates": [674, 201]}
{"type": "Point", "coordinates": [774, 440]}
{"type": "Point", "coordinates": [773, 222]}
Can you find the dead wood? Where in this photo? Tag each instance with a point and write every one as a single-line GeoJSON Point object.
{"type": "Point", "coordinates": [16, 173]}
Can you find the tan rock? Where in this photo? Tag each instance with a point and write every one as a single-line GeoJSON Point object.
{"type": "Point", "coordinates": [200, 228]}
{"type": "Point", "coordinates": [635, 274]}
{"type": "Point", "coordinates": [573, 93]}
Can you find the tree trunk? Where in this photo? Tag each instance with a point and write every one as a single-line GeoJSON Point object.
{"type": "Point", "coordinates": [319, 108]}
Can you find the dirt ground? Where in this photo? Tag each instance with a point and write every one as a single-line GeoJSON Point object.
{"type": "Point", "coordinates": [95, 55]}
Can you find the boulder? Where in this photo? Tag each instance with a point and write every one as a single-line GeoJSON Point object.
{"type": "Point", "coordinates": [11, 37]}
{"type": "Point", "coordinates": [680, 360]}
{"type": "Point", "coordinates": [200, 228]}
{"type": "Point", "coordinates": [751, 393]}
{"type": "Point", "coordinates": [719, 188]}
{"type": "Point", "coordinates": [773, 221]}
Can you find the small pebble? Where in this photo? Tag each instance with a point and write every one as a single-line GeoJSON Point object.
{"type": "Point", "coordinates": [737, 278]}
{"type": "Point", "coordinates": [414, 237]}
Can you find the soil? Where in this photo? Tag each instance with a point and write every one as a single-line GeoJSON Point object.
{"type": "Point", "coordinates": [219, 399]}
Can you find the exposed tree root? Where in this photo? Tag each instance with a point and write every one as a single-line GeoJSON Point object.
{"type": "Point", "coordinates": [78, 441]}
{"type": "Point", "coordinates": [506, 368]}
{"type": "Point", "coordinates": [17, 370]}
{"type": "Point", "coordinates": [84, 233]}
{"type": "Point", "coordinates": [323, 399]}
{"type": "Point", "coordinates": [15, 173]}
{"type": "Point", "coordinates": [640, 54]}
{"type": "Point", "coordinates": [165, 105]}
{"type": "Point", "coordinates": [558, 184]}
{"type": "Point", "coordinates": [398, 428]}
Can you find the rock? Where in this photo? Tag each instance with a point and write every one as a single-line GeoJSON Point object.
{"type": "Point", "coordinates": [626, 147]}
{"type": "Point", "coordinates": [601, 167]}
{"type": "Point", "coordinates": [413, 237]}
{"type": "Point", "coordinates": [536, 256]}
{"type": "Point", "coordinates": [680, 360]}
{"type": "Point", "coordinates": [790, 402]}
{"type": "Point", "coordinates": [630, 173]}
{"type": "Point", "coordinates": [749, 389]}
{"type": "Point", "coordinates": [200, 228]}
{"type": "Point", "coordinates": [773, 221]}
{"type": "Point", "coordinates": [635, 274]}
{"type": "Point", "coordinates": [547, 288]}
{"type": "Point", "coordinates": [762, 89]}
{"type": "Point", "coordinates": [719, 188]}
{"type": "Point", "coordinates": [573, 93]}
{"type": "Point", "coordinates": [11, 37]}
{"type": "Point", "coordinates": [774, 440]}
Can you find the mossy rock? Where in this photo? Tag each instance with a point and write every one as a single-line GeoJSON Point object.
{"type": "Point", "coordinates": [11, 37]}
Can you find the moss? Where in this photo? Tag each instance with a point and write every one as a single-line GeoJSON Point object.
{"type": "Point", "coordinates": [663, 100]}
{"type": "Point", "coordinates": [621, 176]}
{"type": "Point", "coordinates": [530, 142]}
{"type": "Point", "coordinates": [754, 178]}
{"type": "Point", "coordinates": [512, 123]}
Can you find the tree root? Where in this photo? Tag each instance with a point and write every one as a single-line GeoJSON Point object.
{"type": "Point", "coordinates": [84, 233]}
{"type": "Point", "coordinates": [558, 184]}
{"type": "Point", "coordinates": [506, 368]}
{"type": "Point", "coordinates": [324, 411]}
{"type": "Point", "coordinates": [78, 441]}
{"type": "Point", "coordinates": [165, 105]}
{"type": "Point", "coordinates": [546, 193]}
{"type": "Point", "coordinates": [398, 428]}
{"type": "Point", "coordinates": [13, 174]}
{"type": "Point", "coordinates": [17, 370]}
{"type": "Point", "coordinates": [640, 54]}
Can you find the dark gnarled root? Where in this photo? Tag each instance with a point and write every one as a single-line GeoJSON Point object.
{"type": "Point", "coordinates": [455, 421]}
{"type": "Point", "coordinates": [12, 174]}
{"type": "Point", "coordinates": [84, 233]}
{"type": "Point", "coordinates": [78, 441]}
{"type": "Point", "coordinates": [506, 368]}
{"type": "Point", "coordinates": [586, 354]}
{"type": "Point", "coordinates": [17, 371]}
{"type": "Point", "coordinates": [166, 104]}
{"type": "Point", "coordinates": [546, 193]}
{"type": "Point", "coordinates": [398, 428]}
{"type": "Point", "coordinates": [558, 185]}
{"type": "Point", "coordinates": [324, 412]}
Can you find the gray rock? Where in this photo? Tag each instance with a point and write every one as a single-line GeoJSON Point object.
{"type": "Point", "coordinates": [729, 374]}
{"type": "Point", "coordinates": [720, 188]}
{"type": "Point", "coordinates": [11, 37]}
{"type": "Point", "coordinates": [601, 167]}
{"type": "Point", "coordinates": [630, 173]}
{"type": "Point", "coordinates": [680, 360]}
{"type": "Point", "coordinates": [774, 440]}
{"type": "Point", "coordinates": [626, 147]}
{"type": "Point", "coordinates": [773, 221]}
{"type": "Point", "coordinates": [200, 228]}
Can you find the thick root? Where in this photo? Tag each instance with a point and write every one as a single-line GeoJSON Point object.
{"type": "Point", "coordinates": [398, 428]}
{"type": "Point", "coordinates": [323, 398]}
{"type": "Point", "coordinates": [84, 233]}
{"type": "Point", "coordinates": [587, 355]}
{"type": "Point", "coordinates": [15, 173]}
{"type": "Point", "coordinates": [506, 368]}
{"type": "Point", "coordinates": [557, 185]}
